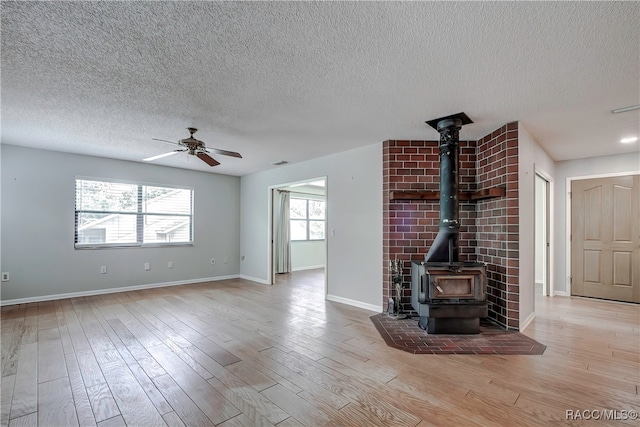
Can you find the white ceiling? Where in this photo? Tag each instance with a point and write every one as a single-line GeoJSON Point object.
{"type": "Point", "coordinates": [294, 81]}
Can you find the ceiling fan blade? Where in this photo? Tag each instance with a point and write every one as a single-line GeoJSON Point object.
{"type": "Point", "coordinates": [164, 140]}
{"type": "Point", "coordinates": [159, 156]}
{"type": "Point", "coordinates": [207, 159]}
{"type": "Point", "coordinates": [225, 152]}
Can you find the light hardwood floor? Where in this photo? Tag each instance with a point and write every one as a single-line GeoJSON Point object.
{"type": "Point", "coordinates": [235, 353]}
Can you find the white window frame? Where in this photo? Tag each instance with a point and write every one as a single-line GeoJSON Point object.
{"type": "Point", "coordinates": [308, 220]}
{"type": "Point", "coordinates": [140, 216]}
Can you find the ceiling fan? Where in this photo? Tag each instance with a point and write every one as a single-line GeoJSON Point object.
{"type": "Point", "coordinates": [195, 148]}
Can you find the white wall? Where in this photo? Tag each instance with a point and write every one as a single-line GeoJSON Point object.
{"type": "Point", "coordinates": [573, 169]}
{"type": "Point", "coordinates": [307, 254]}
{"type": "Point", "coordinates": [354, 213]}
{"type": "Point", "coordinates": [38, 192]}
{"type": "Point", "coordinates": [532, 158]}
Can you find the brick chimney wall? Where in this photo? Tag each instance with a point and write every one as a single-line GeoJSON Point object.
{"type": "Point", "coordinates": [488, 229]}
{"type": "Point", "coordinates": [498, 223]}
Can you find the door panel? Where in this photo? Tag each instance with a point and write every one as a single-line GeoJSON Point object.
{"type": "Point", "coordinates": [592, 266]}
{"type": "Point", "coordinates": [592, 213]}
{"type": "Point", "coordinates": [605, 243]}
{"type": "Point", "coordinates": [622, 268]}
{"type": "Point", "coordinates": [622, 214]}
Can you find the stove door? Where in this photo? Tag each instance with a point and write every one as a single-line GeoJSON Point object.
{"type": "Point", "coordinates": [452, 286]}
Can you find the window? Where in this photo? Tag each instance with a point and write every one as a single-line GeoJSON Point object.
{"type": "Point", "coordinates": [306, 217]}
{"type": "Point", "coordinates": [112, 214]}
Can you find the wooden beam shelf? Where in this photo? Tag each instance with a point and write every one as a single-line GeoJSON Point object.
{"type": "Point", "coordinates": [489, 193]}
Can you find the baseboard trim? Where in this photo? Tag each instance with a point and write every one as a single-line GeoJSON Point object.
{"type": "Point", "coordinates": [526, 322]}
{"type": "Point", "coordinates": [254, 279]}
{"type": "Point", "coordinates": [560, 294]}
{"type": "Point", "coordinates": [311, 267]}
{"type": "Point", "coordinates": [359, 304]}
{"type": "Point", "coordinates": [113, 290]}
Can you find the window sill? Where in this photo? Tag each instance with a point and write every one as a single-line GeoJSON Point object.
{"type": "Point", "coordinates": [132, 246]}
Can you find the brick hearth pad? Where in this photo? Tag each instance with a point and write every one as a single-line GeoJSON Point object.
{"type": "Point", "coordinates": [406, 335]}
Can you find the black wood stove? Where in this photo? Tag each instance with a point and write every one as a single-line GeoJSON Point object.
{"type": "Point", "coordinates": [449, 295]}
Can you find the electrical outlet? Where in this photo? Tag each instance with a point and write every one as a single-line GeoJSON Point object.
{"type": "Point", "coordinates": [103, 269]}
{"type": "Point", "coordinates": [147, 266]}
{"type": "Point", "coordinates": [5, 277]}
{"type": "Point", "coordinates": [226, 260]}
{"type": "Point", "coordinates": [170, 264]}
{"type": "Point", "coordinates": [213, 261]}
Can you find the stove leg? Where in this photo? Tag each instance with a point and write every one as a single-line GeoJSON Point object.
{"type": "Point", "coordinates": [424, 320]}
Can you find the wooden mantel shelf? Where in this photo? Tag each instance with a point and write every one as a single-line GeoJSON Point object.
{"type": "Point", "coordinates": [489, 193]}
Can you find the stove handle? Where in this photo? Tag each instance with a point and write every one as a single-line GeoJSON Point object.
{"type": "Point", "coordinates": [422, 298]}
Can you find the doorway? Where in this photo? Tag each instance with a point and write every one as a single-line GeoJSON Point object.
{"type": "Point", "coordinates": [298, 230]}
{"type": "Point", "coordinates": [542, 236]}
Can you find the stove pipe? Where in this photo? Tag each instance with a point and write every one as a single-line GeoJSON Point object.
{"type": "Point", "coordinates": [445, 245]}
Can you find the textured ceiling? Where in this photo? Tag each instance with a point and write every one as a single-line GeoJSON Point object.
{"type": "Point", "coordinates": [293, 81]}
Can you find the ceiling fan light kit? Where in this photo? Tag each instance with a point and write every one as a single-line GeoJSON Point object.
{"type": "Point", "coordinates": [196, 148]}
